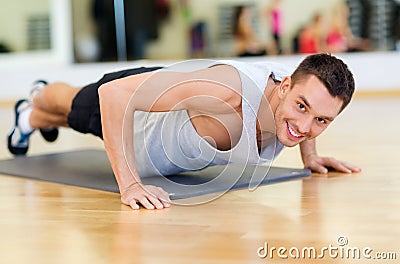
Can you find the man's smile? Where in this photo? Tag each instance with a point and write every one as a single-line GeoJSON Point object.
{"type": "Point", "coordinates": [292, 132]}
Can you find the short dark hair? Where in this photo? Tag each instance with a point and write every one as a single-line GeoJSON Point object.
{"type": "Point", "coordinates": [331, 71]}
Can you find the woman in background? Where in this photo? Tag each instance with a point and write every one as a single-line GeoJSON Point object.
{"type": "Point", "coordinates": [274, 14]}
{"type": "Point", "coordinates": [340, 38]}
{"type": "Point", "coordinates": [246, 40]}
{"type": "Point", "coordinates": [311, 37]}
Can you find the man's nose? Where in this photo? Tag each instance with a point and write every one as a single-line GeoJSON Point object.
{"type": "Point", "coordinates": [304, 125]}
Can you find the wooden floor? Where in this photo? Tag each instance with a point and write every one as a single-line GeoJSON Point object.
{"type": "Point", "coordinates": [50, 223]}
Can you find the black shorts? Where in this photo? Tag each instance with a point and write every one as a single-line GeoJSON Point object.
{"type": "Point", "coordinates": [85, 111]}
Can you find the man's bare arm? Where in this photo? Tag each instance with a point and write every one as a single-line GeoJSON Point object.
{"type": "Point", "coordinates": [113, 102]}
{"type": "Point", "coordinates": [164, 91]}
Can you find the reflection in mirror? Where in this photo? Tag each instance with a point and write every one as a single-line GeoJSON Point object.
{"type": "Point", "coordinates": [198, 29]}
{"type": "Point", "coordinates": [25, 25]}
{"type": "Point", "coordinates": [104, 32]}
{"type": "Point", "coordinates": [176, 29]}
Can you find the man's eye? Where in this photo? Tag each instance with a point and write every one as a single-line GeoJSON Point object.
{"type": "Point", "coordinates": [301, 106]}
{"type": "Point", "coordinates": [321, 120]}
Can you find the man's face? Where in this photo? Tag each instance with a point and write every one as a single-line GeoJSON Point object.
{"type": "Point", "coordinates": [304, 111]}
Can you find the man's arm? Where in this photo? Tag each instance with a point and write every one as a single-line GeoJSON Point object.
{"type": "Point", "coordinates": [319, 164]}
{"type": "Point", "coordinates": [113, 102]}
{"type": "Point", "coordinates": [156, 92]}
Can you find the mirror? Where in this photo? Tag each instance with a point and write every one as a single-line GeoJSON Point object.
{"type": "Point", "coordinates": [64, 31]}
{"type": "Point", "coordinates": [196, 29]}
{"type": "Point", "coordinates": [35, 32]}
{"type": "Point", "coordinates": [25, 26]}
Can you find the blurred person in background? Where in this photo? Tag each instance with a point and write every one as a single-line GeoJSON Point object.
{"type": "Point", "coordinates": [340, 37]}
{"type": "Point", "coordinates": [311, 37]}
{"type": "Point", "coordinates": [274, 14]}
{"type": "Point", "coordinates": [246, 40]}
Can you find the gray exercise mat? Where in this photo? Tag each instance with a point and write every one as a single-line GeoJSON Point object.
{"type": "Point", "coordinates": [91, 169]}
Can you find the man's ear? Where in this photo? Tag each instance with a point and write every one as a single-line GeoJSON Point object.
{"type": "Point", "coordinates": [285, 86]}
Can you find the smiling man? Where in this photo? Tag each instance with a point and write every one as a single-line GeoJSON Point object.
{"type": "Point", "coordinates": [192, 115]}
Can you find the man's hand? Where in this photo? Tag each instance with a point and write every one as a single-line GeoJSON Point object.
{"type": "Point", "coordinates": [149, 196]}
{"type": "Point", "coordinates": [321, 164]}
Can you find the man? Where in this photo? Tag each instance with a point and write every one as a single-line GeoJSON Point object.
{"type": "Point", "coordinates": [196, 114]}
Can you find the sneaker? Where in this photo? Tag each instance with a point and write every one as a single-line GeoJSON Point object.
{"type": "Point", "coordinates": [18, 143]}
{"type": "Point", "coordinates": [36, 87]}
{"type": "Point", "coordinates": [49, 134]}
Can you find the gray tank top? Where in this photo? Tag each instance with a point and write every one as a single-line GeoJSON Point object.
{"type": "Point", "coordinates": [166, 143]}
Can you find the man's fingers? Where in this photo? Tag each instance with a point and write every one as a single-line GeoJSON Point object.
{"type": "Point", "coordinates": [150, 197]}
{"type": "Point", "coordinates": [316, 167]}
{"type": "Point", "coordinates": [166, 204]}
{"type": "Point", "coordinates": [154, 198]}
{"type": "Point", "coordinates": [321, 165]}
{"type": "Point", "coordinates": [352, 167]}
{"type": "Point", "coordinates": [163, 195]}
{"type": "Point", "coordinates": [156, 202]}
{"type": "Point", "coordinates": [149, 203]}
{"type": "Point", "coordinates": [159, 198]}
{"type": "Point", "coordinates": [146, 203]}
{"type": "Point", "coordinates": [341, 166]}
{"type": "Point", "coordinates": [134, 205]}
{"type": "Point", "coordinates": [321, 169]}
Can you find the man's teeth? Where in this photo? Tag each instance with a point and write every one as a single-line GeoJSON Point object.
{"type": "Point", "coordinates": [293, 132]}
